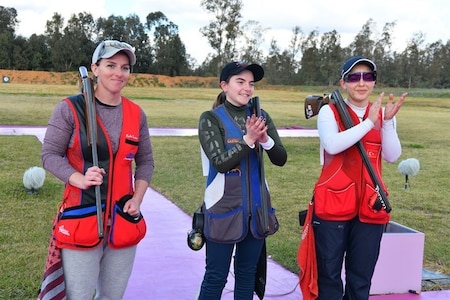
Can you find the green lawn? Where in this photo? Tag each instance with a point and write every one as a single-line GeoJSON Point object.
{"type": "Point", "coordinates": [423, 126]}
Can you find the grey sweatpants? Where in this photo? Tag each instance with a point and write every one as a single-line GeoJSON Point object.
{"type": "Point", "coordinates": [101, 271]}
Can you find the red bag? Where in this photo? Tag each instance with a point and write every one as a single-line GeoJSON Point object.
{"type": "Point", "coordinates": [307, 260]}
{"type": "Point", "coordinates": [126, 230]}
{"type": "Point", "coordinates": [77, 227]}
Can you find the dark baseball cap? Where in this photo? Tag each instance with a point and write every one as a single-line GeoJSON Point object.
{"type": "Point", "coordinates": [349, 64]}
{"type": "Point", "coordinates": [234, 68]}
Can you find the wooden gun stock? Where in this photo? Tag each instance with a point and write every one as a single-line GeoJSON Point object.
{"type": "Point", "coordinates": [313, 104]}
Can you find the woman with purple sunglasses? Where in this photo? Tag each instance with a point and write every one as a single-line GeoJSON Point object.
{"type": "Point", "coordinates": [344, 222]}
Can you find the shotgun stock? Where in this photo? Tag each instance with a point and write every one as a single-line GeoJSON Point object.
{"type": "Point", "coordinates": [313, 104]}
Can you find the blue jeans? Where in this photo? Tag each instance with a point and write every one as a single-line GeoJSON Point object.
{"type": "Point", "coordinates": [218, 259]}
{"type": "Point", "coordinates": [359, 243]}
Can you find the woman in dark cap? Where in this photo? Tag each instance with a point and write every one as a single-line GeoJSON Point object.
{"type": "Point", "coordinates": [344, 221]}
{"type": "Point", "coordinates": [230, 135]}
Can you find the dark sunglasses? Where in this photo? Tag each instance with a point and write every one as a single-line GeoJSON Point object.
{"type": "Point", "coordinates": [356, 77]}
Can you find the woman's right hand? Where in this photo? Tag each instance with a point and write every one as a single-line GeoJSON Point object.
{"type": "Point", "coordinates": [93, 176]}
{"type": "Point", "coordinates": [375, 109]}
{"type": "Point", "coordinates": [256, 130]}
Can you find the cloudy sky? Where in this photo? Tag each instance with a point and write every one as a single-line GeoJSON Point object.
{"type": "Point", "coordinates": [280, 16]}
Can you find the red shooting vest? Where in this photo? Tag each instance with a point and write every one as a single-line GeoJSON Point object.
{"type": "Point", "coordinates": [344, 189]}
{"type": "Point", "coordinates": [77, 221]}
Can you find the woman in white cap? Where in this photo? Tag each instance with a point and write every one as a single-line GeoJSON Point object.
{"type": "Point", "coordinates": [93, 265]}
{"type": "Point", "coordinates": [229, 135]}
{"type": "Point", "coordinates": [345, 222]}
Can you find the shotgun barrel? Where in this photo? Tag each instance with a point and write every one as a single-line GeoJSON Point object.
{"type": "Point", "coordinates": [91, 129]}
{"type": "Point", "coordinates": [262, 176]}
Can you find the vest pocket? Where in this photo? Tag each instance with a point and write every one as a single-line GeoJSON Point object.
{"type": "Point", "coordinates": [336, 199]}
{"type": "Point", "coordinates": [77, 226]}
{"type": "Point", "coordinates": [366, 213]}
{"type": "Point", "coordinates": [126, 230]}
{"type": "Point", "coordinates": [272, 223]}
{"type": "Point", "coordinates": [226, 227]}
{"type": "Point", "coordinates": [224, 221]}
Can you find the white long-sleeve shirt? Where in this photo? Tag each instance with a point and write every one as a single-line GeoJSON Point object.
{"type": "Point", "coordinates": [334, 142]}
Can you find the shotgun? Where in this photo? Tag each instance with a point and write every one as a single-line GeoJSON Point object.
{"type": "Point", "coordinates": [261, 268]}
{"type": "Point", "coordinates": [262, 179]}
{"type": "Point", "coordinates": [382, 201]}
{"type": "Point", "coordinates": [91, 129]}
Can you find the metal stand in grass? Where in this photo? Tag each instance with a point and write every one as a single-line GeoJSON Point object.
{"type": "Point", "coordinates": [407, 168]}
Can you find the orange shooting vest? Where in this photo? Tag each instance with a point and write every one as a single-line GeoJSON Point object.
{"type": "Point", "coordinates": [344, 189]}
{"type": "Point", "coordinates": [76, 225]}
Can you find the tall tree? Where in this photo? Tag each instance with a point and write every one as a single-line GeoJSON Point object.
{"type": "Point", "coordinates": [310, 61]}
{"type": "Point", "coordinates": [330, 54]}
{"type": "Point", "coordinates": [276, 65]}
{"type": "Point", "coordinates": [111, 28]}
{"type": "Point", "coordinates": [434, 58]}
{"type": "Point", "coordinates": [412, 62]}
{"type": "Point", "coordinates": [18, 54]}
{"type": "Point", "coordinates": [8, 23]}
{"type": "Point", "coordinates": [38, 53]}
{"type": "Point", "coordinates": [253, 39]}
{"type": "Point", "coordinates": [382, 55]}
{"type": "Point", "coordinates": [169, 51]}
{"type": "Point", "coordinates": [293, 52]}
{"type": "Point", "coordinates": [78, 35]}
{"type": "Point", "coordinates": [363, 43]}
{"type": "Point", "coordinates": [138, 38]}
{"type": "Point", "coordinates": [55, 34]}
{"type": "Point", "coordinates": [223, 32]}
{"type": "Point", "coordinates": [129, 30]}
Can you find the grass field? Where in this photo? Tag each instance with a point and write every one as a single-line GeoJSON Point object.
{"type": "Point", "coordinates": [423, 127]}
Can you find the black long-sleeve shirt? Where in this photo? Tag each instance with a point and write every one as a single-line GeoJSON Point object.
{"type": "Point", "coordinates": [211, 135]}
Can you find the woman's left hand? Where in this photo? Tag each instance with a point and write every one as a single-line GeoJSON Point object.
{"type": "Point", "coordinates": [256, 129]}
{"type": "Point", "coordinates": [392, 108]}
{"type": "Point", "coordinates": [132, 207]}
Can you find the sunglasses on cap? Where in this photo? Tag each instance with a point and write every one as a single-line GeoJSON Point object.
{"type": "Point", "coordinates": [356, 77]}
{"type": "Point", "coordinates": [114, 44]}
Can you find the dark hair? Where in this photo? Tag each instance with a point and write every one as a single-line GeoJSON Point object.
{"type": "Point", "coordinates": [220, 99]}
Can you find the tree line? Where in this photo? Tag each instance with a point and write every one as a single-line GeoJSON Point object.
{"type": "Point", "coordinates": [309, 59]}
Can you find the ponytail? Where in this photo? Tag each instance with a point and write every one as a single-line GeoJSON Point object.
{"type": "Point", "coordinates": [220, 99]}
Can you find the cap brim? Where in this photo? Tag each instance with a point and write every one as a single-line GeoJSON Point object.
{"type": "Point", "coordinates": [257, 70]}
{"type": "Point", "coordinates": [129, 53]}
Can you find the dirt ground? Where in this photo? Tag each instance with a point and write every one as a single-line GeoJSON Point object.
{"type": "Point", "coordinates": [139, 80]}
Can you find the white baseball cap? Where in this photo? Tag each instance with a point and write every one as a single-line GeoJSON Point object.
{"type": "Point", "coordinates": [109, 48]}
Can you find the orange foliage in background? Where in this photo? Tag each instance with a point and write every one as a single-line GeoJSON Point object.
{"type": "Point", "coordinates": [138, 80]}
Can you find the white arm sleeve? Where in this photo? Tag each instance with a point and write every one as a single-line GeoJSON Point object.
{"type": "Point", "coordinates": [334, 142]}
{"type": "Point", "coordinates": [391, 149]}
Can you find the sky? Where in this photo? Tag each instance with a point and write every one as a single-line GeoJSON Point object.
{"type": "Point", "coordinates": [429, 18]}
